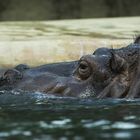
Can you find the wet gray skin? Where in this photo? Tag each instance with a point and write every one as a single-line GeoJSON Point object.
{"type": "Point", "coordinates": [105, 73]}
{"type": "Point", "coordinates": [91, 75]}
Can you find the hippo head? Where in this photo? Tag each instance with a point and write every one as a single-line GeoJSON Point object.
{"type": "Point", "coordinates": [95, 75]}
{"type": "Point", "coordinates": [107, 75]}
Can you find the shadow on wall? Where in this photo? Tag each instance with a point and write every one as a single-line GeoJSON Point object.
{"type": "Point", "coordinates": [66, 9]}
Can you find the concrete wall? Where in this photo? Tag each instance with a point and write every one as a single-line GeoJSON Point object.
{"type": "Point", "coordinates": [42, 42]}
{"type": "Point", "coordinates": [65, 9]}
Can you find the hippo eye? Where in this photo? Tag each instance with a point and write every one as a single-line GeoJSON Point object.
{"type": "Point", "coordinates": [84, 70]}
{"type": "Point", "coordinates": [83, 66]}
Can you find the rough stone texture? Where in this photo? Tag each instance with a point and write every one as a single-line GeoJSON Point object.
{"type": "Point", "coordinates": [43, 42]}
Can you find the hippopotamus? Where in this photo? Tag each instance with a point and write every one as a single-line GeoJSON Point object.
{"type": "Point", "coordinates": [107, 72]}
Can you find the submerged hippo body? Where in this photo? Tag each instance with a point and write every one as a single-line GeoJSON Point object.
{"type": "Point", "coordinates": [105, 73]}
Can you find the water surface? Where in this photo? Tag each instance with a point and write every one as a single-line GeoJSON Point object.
{"type": "Point", "coordinates": [35, 116]}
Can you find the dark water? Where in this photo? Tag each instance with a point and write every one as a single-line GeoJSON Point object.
{"type": "Point", "coordinates": [34, 116]}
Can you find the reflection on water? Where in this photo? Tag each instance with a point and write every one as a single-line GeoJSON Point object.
{"type": "Point", "coordinates": [40, 117]}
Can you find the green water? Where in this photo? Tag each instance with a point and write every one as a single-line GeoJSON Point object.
{"type": "Point", "coordinates": [35, 116]}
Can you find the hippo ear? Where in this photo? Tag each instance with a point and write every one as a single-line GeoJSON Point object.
{"type": "Point", "coordinates": [137, 40]}
{"type": "Point", "coordinates": [118, 64]}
